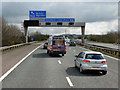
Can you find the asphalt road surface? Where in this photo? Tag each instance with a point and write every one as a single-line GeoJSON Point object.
{"type": "Point", "coordinates": [40, 70]}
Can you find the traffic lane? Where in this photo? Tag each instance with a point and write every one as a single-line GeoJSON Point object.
{"type": "Point", "coordinates": [112, 63]}
{"type": "Point", "coordinates": [39, 70]}
{"type": "Point", "coordinates": [77, 78]}
{"type": "Point", "coordinates": [89, 79]}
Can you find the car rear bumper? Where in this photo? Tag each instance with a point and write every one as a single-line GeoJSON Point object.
{"type": "Point", "coordinates": [99, 68]}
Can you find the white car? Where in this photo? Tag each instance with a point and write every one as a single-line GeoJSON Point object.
{"type": "Point", "coordinates": [90, 60]}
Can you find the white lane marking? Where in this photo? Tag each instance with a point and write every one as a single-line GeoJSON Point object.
{"type": "Point", "coordinates": [104, 54]}
{"type": "Point", "coordinates": [69, 81]}
{"type": "Point", "coordinates": [8, 72]}
{"type": "Point", "coordinates": [59, 62]}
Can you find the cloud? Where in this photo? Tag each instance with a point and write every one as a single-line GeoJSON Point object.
{"type": "Point", "coordinates": [101, 27]}
{"type": "Point", "coordinates": [100, 17]}
{"type": "Point", "coordinates": [83, 12]}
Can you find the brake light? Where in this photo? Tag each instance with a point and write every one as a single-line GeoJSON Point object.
{"type": "Point", "coordinates": [65, 47]}
{"type": "Point", "coordinates": [86, 61]}
{"type": "Point", "coordinates": [51, 47]}
{"type": "Point", "coordinates": [104, 62]}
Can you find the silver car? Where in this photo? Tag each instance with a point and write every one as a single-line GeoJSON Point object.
{"type": "Point", "coordinates": [90, 60]}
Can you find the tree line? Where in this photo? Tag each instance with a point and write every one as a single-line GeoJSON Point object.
{"type": "Point", "coordinates": [110, 37]}
{"type": "Point", "coordinates": [37, 36]}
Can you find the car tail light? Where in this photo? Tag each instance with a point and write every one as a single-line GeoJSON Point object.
{"type": "Point", "coordinates": [86, 61]}
{"type": "Point", "coordinates": [51, 47]}
{"type": "Point", "coordinates": [104, 62]}
{"type": "Point", "coordinates": [65, 47]}
{"type": "Point", "coordinates": [84, 69]}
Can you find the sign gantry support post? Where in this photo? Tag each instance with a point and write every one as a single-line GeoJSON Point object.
{"type": "Point", "coordinates": [83, 34]}
{"type": "Point", "coordinates": [26, 33]}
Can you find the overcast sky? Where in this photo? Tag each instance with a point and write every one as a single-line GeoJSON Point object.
{"type": "Point", "coordinates": [100, 17]}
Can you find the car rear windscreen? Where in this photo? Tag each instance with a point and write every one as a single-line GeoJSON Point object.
{"type": "Point", "coordinates": [58, 41]}
{"type": "Point", "coordinates": [72, 42]}
{"type": "Point", "coordinates": [94, 56]}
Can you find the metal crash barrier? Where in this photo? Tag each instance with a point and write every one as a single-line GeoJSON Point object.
{"type": "Point", "coordinates": [5, 48]}
{"type": "Point", "coordinates": [106, 50]}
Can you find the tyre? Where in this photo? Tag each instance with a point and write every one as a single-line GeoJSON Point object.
{"type": "Point", "coordinates": [81, 70]}
{"type": "Point", "coordinates": [104, 72]}
{"type": "Point", "coordinates": [62, 54]}
{"type": "Point", "coordinates": [75, 64]}
{"type": "Point", "coordinates": [47, 51]}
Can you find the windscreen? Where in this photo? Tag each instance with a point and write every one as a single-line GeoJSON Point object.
{"type": "Point", "coordinates": [58, 41]}
{"type": "Point", "coordinates": [94, 56]}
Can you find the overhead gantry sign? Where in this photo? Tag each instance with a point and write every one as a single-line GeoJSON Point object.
{"type": "Point", "coordinates": [50, 22]}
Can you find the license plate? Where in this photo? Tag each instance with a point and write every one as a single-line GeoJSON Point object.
{"type": "Point", "coordinates": [96, 67]}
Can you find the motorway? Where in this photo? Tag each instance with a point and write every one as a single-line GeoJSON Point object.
{"type": "Point", "coordinates": [40, 70]}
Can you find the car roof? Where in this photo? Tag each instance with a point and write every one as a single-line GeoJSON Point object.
{"type": "Point", "coordinates": [91, 52]}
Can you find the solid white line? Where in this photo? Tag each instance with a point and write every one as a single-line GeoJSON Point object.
{"type": "Point", "coordinates": [104, 54]}
{"type": "Point", "coordinates": [8, 72]}
{"type": "Point", "coordinates": [69, 81]}
{"type": "Point", "coordinates": [59, 62]}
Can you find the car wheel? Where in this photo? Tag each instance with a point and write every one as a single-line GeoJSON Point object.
{"type": "Point", "coordinates": [81, 70]}
{"type": "Point", "coordinates": [104, 72]}
{"type": "Point", "coordinates": [62, 54]}
{"type": "Point", "coordinates": [75, 64]}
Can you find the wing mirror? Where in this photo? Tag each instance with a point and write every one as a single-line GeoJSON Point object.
{"type": "Point", "coordinates": [76, 55]}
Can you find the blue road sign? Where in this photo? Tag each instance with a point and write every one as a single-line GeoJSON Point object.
{"type": "Point", "coordinates": [59, 19]}
{"type": "Point", "coordinates": [37, 14]}
{"type": "Point", "coordinates": [32, 38]}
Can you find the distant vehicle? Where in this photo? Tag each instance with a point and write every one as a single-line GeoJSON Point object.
{"type": "Point", "coordinates": [89, 60]}
{"type": "Point", "coordinates": [56, 45]}
{"type": "Point", "coordinates": [45, 45]}
{"type": "Point", "coordinates": [72, 43]}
